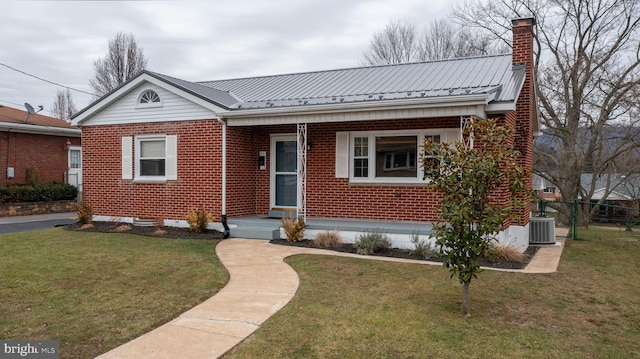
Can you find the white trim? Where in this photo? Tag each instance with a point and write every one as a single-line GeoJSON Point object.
{"type": "Point", "coordinates": [430, 102]}
{"type": "Point", "coordinates": [74, 148]}
{"type": "Point", "coordinates": [360, 114]}
{"type": "Point", "coordinates": [140, 105]}
{"type": "Point", "coordinates": [342, 155]}
{"type": "Point", "coordinates": [177, 223]}
{"type": "Point", "coordinates": [171, 157]}
{"type": "Point", "coordinates": [135, 83]}
{"type": "Point", "coordinates": [272, 172]}
{"type": "Point", "coordinates": [371, 173]}
{"type": "Point", "coordinates": [149, 179]}
{"type": "Point", "coordinates": [127, 158]}
{"type": "Point", "coordinates": [39, 130]}
{"type": "Point", "coordinates": [301, 157]}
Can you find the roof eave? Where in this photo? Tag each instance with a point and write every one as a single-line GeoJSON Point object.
{"type": "Point", "coordinates": [145, 76]}
{"type": "Point", "coordinates": [39, 130]}
{"type": "Point", "coordinates": [465, 100]}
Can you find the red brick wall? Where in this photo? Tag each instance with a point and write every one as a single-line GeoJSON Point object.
{"type": "Point", "coordinates": [331, 197]}
{"type": "Point", "coordinates": [242, 164]}
{"type": "Point", "coordinates": [526, 111]}
{"type": "Point", "coordinates": [199, 168]}
{"type": "Point", "coordinates": [46, 155]}
{"type": "Point", "coordinates": [248, 188]}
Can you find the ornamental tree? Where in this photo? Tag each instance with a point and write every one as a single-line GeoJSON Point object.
{"type": "Point", "coordinates": [480, 181]}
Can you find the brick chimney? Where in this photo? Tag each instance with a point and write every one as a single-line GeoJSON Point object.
{"type": "Point", "coordinates": [523, 41]}
{"type": "Point", "coordinates": [526, 105]}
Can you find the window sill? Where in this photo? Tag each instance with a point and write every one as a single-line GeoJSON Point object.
{"type": "Point", "coordinates": [149, 181]}
{"type": "Point", "coordinates": [388, 183]}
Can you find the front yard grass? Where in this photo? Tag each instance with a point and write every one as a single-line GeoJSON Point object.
{"type": "Point", "coordinates": [358, 308]}
{"type": "Point", "coordinates": [94, 291]}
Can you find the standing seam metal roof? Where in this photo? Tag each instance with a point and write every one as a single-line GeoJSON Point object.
{"type": "Point", "coordinates": [474, 75]}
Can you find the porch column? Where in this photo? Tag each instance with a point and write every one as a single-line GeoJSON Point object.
{"type": "Point", "coordinates": [465, 122]}
{"type": "Point", "coordinates": [302, 172]}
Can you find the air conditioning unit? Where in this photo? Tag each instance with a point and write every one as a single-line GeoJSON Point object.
{"type": "Point", "coordinates": [542, 230]}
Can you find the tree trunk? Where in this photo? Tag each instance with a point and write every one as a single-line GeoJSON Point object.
{"type": "Point", "coordinates": [465, 298]}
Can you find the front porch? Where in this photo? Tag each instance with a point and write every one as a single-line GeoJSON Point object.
{"type": "Point", "coordinates": [263, 227]}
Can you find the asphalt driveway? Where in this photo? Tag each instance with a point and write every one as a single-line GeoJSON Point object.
{"type": "Point", "coordinates": [31, 223]}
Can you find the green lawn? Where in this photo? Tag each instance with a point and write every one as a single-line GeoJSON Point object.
{"type": "Point", "coordinates": [95, 291]}
{"type": "Point", "coordinates": [357, 308]}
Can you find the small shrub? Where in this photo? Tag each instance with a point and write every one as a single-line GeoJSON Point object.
{"type": "Point", "coordinates": [372, 242]}
{"type": "Point", "coordinates": [327, 239]}
{"type": "Point", "coordinates": [294, 229]}
{"type": "Point", "coordinates": [85, 214]}
{"type": "Point", "coordinates": [198, 220]}
{"type": "Point", "coordinates": [422, 248]}
{"type": "Point", "coordinates": [507, 253]}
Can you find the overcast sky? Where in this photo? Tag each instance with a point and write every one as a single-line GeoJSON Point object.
{"type": "Point", "coordinates": [193, 40]}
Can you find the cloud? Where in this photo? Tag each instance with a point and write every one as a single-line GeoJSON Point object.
{"type": "Point", "coordinates": [194, 40]}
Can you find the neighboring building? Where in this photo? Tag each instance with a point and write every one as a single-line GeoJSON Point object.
{"type": "Point", "coordinates": [337, 144]}
{"type": "Point", "coordinates": [544, 189]}
{"type": "Point", "coordinates": [38, 148]}
{"type": "Point", "coordinates": [616, 193]}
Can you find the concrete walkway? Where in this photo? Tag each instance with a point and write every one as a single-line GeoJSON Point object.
{"type": "Point", "coordinates": [260, 284]}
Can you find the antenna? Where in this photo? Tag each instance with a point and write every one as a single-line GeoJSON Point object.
{"type": "Point", "coordinates": [29, 108]}
{"type": "Point", "coordinates": [31, 111]}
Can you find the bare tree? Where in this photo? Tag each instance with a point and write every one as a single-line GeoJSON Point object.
{"type": "Point", "coordinates": [588, 75]}
{"type": "Point", "coordinates": [443, 39]}
{"type": "Point", "coordinates": [64, 106]}
{"type": "Point", "coordinates": [395, 44]}
{"type": "Point", "coordinates": [402, 42]}
{"type": "Point", "coordinates": [123, 60]}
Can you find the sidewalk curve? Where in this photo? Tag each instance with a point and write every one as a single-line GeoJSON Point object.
{"type": "Point", "coordinates": [260, 284]}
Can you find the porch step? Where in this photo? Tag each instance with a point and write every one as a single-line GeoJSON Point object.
{"type": "Point", "coordinates": [254, 232]}
{"type": "Point", "coordinates": [254, 228]}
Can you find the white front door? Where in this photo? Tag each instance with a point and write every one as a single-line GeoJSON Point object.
{"type": "Point", "coordinates": [75, 166]}
{"type": "Point", "coordinates": [284, 172]}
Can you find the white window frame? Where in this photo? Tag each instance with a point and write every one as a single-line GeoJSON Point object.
{"type": "Point", "coordinates": [371, 135]}
{"type": "Point", "coordinates": [79, 150]}
{"type": "Point", "coordinates": [549, 189]}
{"type": "Point", "coordinates": [138, 146]}
{"type": "Point", "coordinates": [148, 104]}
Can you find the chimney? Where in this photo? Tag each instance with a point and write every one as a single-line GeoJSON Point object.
{"type": "Point", "coordinates": [523, 41]}
{"type": "Point", "coordinates": [526, 119]}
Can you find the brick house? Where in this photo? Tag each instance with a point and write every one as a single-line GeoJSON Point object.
{"type": "Point", "coordinates": [338, 144]}
{"type": "Point", "coordinates": [38, 147]}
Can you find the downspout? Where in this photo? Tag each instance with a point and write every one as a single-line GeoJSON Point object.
{"type": "Point", "coordinates": [223, 217]}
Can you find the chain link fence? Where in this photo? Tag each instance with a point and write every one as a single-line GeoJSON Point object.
{"type": "Point", "coordinates": [575, 214]}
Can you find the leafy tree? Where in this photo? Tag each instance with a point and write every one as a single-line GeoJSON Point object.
{"type": "Point", "coordinates": [474, 181]}
{"type": "Point", "coordinates": [123, 61]}
{"type": "Point", "coordinates": [402, 42]}
{"type": "Point", "coordinates": [588, 80]}
{"type": "Point", "coordinates": [64, 106]}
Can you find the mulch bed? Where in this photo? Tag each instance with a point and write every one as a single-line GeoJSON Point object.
{"type": "Point", "coordinates": [172, 232]}
{"type": "Point", "coordinates": [160, 232]}
{"type": "Point", "coordinates": [404, 253]}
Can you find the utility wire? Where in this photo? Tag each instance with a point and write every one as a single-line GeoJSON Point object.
{"type": "Point", "coordinates": [17, 104]}
{"type": "Point", "coordinates": [45, 80]}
